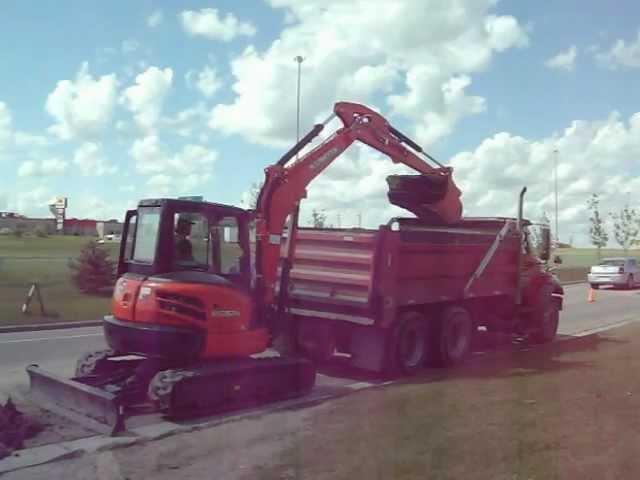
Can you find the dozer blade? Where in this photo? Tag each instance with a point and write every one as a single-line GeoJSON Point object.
{"type": "Point", "coordinates": [91, 407]}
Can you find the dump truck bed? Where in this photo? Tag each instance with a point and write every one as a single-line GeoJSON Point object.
{"type": "Point", "coordinates": [362, 276]}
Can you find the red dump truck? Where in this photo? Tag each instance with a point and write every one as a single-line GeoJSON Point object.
{"type": "Point", "coordinates": [408, 293]}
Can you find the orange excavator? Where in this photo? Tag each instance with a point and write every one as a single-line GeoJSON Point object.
{"type": "Point", "coordinates": [202, 288]}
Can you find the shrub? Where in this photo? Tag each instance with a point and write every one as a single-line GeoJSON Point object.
{"type": "Point", "coordinates": [20, 230]}
{"type": "Point", "coordinates": [93, 270]}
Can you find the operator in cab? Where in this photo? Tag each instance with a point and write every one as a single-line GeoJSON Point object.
{"type": "Point", "coordinates": [183, 246]}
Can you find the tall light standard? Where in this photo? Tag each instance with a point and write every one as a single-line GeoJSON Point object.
{"type": "Point", "coordinates": [555, 177]}
{"type": "Point", "coordinates": [299, 61]}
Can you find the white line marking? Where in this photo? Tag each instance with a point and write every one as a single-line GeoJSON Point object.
{"type": "Point", "coordinates": [51, 338]}
{"type": "Point", "coordinates": [359, 385]}
{"type": "Point", "coordinates": [603, 328]}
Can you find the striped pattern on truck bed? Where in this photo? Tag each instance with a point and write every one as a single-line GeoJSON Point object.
{"type": "Point", "coordinates": [332, 275]}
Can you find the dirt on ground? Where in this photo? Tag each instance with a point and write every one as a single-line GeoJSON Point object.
{"type": "Point", "coordinates": [15, 428]}
{"type": "Point", "coordinates": [565, 410]}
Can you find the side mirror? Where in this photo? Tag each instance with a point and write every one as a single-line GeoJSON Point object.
{"type": "Point", "coordinates": [545, 246]}
{"type": "Point", "coordinates": [557, 260]}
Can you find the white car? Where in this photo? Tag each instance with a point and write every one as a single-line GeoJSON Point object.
{"type": "Point", "coordinates": [619, 272]}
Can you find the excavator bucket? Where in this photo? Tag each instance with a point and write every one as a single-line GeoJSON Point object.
{"type": "Point", "coordinates": [434, 198]}
{"type": "Point", "coordinates": [91, 407]}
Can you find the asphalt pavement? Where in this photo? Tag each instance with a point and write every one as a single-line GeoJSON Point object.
{"type": "Point", "coordinates": [57, 350]}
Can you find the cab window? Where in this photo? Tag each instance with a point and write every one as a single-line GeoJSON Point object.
{"type": "Point", "coordinates": [191, 241]}
{"type": "Point", "coordinates": [146, 235]}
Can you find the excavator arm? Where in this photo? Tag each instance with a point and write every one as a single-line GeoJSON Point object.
{"type": "Point", "coordinates": [286, 182]}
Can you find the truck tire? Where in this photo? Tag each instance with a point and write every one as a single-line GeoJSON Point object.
{"type": "Point", "coordinates": [317, 341]}
{"type": "Point", "coordinates": [545, 316]}
{"type": "Point", "coordinates": [595, 286]}
{"type": "Point", "coordinates": [453, 337]}
{"type": "Point", "coordinates": [630, 282]}
{"type": "Point", "coordinates": [408, 344]}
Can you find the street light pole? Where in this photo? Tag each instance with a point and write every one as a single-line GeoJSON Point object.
{"type": "Point", "coordinates": [299, 61]}
{"type": "Point", "coordinates": [555, 177]}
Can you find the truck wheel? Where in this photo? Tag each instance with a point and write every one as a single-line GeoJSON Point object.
{"type": "Point", "coordinates": [318, 341]}
{"type": "Point", "coordinates": [408, 346]}
{"type": "Point", "coordinates": [595, 286]}
{"type": "Point", "coordinates": [545, 317]}
{"type": "Point", "coordinates": [454, 336]}
{"type": "Point", "coordinates": [630, 282]}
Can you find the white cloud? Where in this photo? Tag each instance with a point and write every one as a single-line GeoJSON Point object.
{"type": "Point", "coordinates": [621, 54]}
{"type": "Point", "coordinates": [30, 202]}
{"type": "Point", "coordinates": [145, 98]}
{"type": "Point", "coordinates": [155, 19]}
{"type": "Point", "coordinates": [206, 81]}
{"type": "Point", "coordinates": [565, 60]}
{"type": "Point", "coordinates": [90, 159]}
{"type": "Point", "coordinates": [208, 23]}
{"type": "Point", "coordinates": [187, 122]}
{"type": "Point", "coordinates": [87, 204]}
{"type": "Point", "coordinates": [25, 139]}
{"type": "Point", "coordinates": [180, 172]}
{"type": "Point", "coordinates": [44, 168]}
{"type": "Point", "coordinates": [594, 157]}
{"type": "Point", "coordinates": [355, 52]}
{"type": "Point", "coordinates": [82, 107]}
{"type": "Point", "coordinates": [505, 32]}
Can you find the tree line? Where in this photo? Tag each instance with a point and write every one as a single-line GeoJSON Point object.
{"type": "Point", "coordinates": [625, 223]}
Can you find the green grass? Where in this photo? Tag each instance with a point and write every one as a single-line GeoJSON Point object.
{"type": "Point", "coordinates": [44, 260]}
{"type": "Point", "coordinates": [565, 410]}
{"type": "Point", "coordinates": [585, 257]}
{"type": "Point", "coordinates": [576, 261]}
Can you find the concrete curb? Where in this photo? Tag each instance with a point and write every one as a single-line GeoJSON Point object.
{"type": "Point", "coordinates": [49, 326]}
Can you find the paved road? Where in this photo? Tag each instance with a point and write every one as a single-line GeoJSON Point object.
{"type": "Point", "coordinates": [57, 350]}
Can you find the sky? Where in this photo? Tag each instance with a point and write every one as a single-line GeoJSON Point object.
{"type": "Point", "coordinates": [110, 102]}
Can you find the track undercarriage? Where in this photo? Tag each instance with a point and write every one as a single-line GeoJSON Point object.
{"type": "Point", "coordinates": [108, 387]}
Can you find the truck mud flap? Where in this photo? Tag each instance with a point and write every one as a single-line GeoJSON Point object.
{"type": "Point", "coordinates": [91, 407]}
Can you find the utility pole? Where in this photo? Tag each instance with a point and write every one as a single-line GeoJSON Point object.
{"type": "Point", "coordinates": [299, 61]}
{"type": "Point", "coordinates": [555, 177]}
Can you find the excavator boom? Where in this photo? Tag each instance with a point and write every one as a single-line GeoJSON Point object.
{"type": "Point", "coordinates": [286, 181]}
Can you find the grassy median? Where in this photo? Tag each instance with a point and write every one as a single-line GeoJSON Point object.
{"type": "Point", "coordinates": [567, 410]}
{"type": "Point", "coordinates": [44, 260]}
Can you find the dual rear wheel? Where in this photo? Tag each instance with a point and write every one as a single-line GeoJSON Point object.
{"type": "Point", "coordinates": [417, 341]}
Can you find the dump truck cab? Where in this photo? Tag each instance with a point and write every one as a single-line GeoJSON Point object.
{"type": "Point", "coordinates": [185, 279]}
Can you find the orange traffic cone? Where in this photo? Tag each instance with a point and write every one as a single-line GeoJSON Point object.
{"type": "Point", "coordinates": [592, 296]}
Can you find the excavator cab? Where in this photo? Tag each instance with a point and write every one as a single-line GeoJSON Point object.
{"type": "Point", "coordinates": [184, 284]}
{"type": "Point", "coordinates": [164, 236]}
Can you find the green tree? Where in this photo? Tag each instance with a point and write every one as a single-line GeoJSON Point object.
{"type": "Point", "coordinates": [251, 197]}
{"type": "Point", "coordinates": [626, 226]}
{"type": "Point", "coordinates": [536, 232]}
{"type": "Point", "coordinates": [318, 218]}
{"type": "Point", "coordinates": [598, 229]}
{"type": "Point", "coordinates": [93, 270]}
{"type": "Point", "coordinates": [19, 230]}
